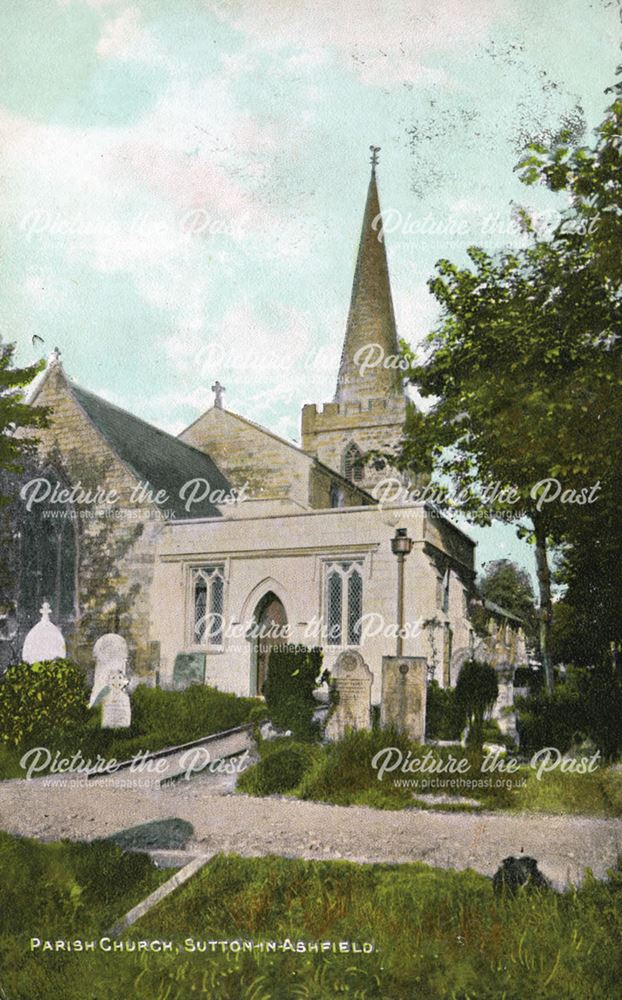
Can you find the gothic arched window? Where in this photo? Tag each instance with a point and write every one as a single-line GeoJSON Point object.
{"type": "Point", "coordinates": [353, 463]}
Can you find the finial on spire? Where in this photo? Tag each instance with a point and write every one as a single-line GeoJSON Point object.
{"type": "Point", "coordinates": [54, 358]}
{"type": "Point", "coordinates": [218, 390]}
{"type": "Point", "coordinates": [374, 156]}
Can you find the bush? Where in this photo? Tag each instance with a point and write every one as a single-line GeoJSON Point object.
{"type": "Point", "coordinates": [476, 692]}
{"type": "Point", "coordinates": [344, 770]}
{"type": "Point", "coordinates": [293, 673]}
{"type": "Point", "coordinates": [282, 766]}
{"type": "Point", "coordinates": [554, 719]}
{"type": "Point", "coordinates": [442, 716]}
{"type": "Point", "coordinates": [43, 702]}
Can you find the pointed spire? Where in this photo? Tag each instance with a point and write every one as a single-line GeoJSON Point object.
{"type": "Point", "coordinates": [370, 320]}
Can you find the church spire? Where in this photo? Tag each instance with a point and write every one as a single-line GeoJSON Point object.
{"type": "Point", "coordinates": [370, 319]}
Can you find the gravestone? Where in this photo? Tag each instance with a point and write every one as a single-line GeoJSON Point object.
{"type": "Point", "coordinates": [44, 641]}
{"type": "Point", "coordinates": [503, 709]}
{"type": "Point", "coordinates": [111, 655]}
{"type": "Point", "coordinates": [189, 669]}
{"type": "Point", "coordinates": [352, 681]}
{"type": "Point", "coordinates": [115, 702]}
{"type": "Point", "coordinates": [403, 699]}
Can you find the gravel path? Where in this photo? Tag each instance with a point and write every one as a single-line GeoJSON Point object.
{"type": "Point", "coordinates": [564, 846]}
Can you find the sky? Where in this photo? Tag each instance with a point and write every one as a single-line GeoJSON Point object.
{"type": "Point", "coordinates": [183, 181]}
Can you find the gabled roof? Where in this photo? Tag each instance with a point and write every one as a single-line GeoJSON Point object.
{"type": "Point", "coordinates": [365, 496]}
{"type": "Point", "coordinates": [152, 455]}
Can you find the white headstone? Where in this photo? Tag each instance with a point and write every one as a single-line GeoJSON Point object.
{"type": "Point", "coordinates": [111, 654]}
{"type": "Point", "coordinates": [116, 707]}
{"type": "Point", "coordinates": [44, 641]}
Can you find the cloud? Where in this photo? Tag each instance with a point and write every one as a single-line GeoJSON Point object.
{"type": "Point", "coordinates": [119, 33]}
{"type": "Point", "coordinates": [383, 43]}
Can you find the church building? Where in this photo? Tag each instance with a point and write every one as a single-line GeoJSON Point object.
{"type": "Point", "coordinates": [288, 543]}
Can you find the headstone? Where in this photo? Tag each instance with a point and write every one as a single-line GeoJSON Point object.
{"type": "Point", "coordinates": [352, 679]}
{"type": "Point", "coordinates": [111, 655]}
{"type": "Point", "coordinates": [403, 699]}
{"type": "Point", "coordinates": [503, 710]}
{"type": "Point", "coordinates": [44, 641]}
{"type": "Point", "coordinates": [189, 669]}
{"type": "Point", "coordinates": [115, 702]}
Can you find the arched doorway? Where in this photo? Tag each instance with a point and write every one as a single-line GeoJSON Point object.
{"type": "Point", "coordinates": [269, 629]}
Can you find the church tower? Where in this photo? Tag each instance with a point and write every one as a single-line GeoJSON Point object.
{"type": "Point", "coordinates": [369, 406]}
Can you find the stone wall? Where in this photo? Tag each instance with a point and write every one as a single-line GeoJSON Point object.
{"type": "Point", "coordinates": [327, 430]}
{"type": "Point", "coordinates": [87, 457]}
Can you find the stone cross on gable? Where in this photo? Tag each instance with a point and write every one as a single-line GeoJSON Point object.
{"type": "Point", "coordinates": [45, 611]}
{"type": "Point", "coordinates": [218, 390]}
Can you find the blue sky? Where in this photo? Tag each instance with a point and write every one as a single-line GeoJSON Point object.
{"type": "Point", "coordinates": [183, 180]}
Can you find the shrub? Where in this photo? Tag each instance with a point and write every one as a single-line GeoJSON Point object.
{"type": "Point", "coordinates": [476, 692]}
{"type": "Point", "coordinates": [344, 769]}
{"type": "Point", "coordinates": [442, 716]}
{"type": "Point", "coordinates": [554, 719]}
{"type": "Point", "coordinates": [604, 710]}
{"type": "Point", "coordinates": [43, 702]}
{"type": "Point", "coordinates": [282, 766]}
{"type": "Point", "coordinates": [293, 673]}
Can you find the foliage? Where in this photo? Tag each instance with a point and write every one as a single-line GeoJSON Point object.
{"type": "Point", "coordinates": [525, 366]}
{"type": "Point", "coordinates": [442, 721]}
{"type": "Point", "coordinates": [281, 767]}
{"type": "Point", "coordinates": [15, 413]}
{"type": "Point", "coordinates": [293, 674]}
{"type": "Point", "coordinates": [440, 933]}
{"type": "Point", "coordinates": [604, 708]}
{"type": "Point", "coordinates": [160, 718]}
{"type": "Point", "coordinates": [476, 692]}
{"type": "Point", "coordinates": [509, 585]}
{"type": "Point", "coordinates": [586, 705]}
{"type": "Point", "coordinates": [42, 701]}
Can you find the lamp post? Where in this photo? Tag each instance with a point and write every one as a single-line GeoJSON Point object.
{"type": "Point", "coordinates": [401, 546]}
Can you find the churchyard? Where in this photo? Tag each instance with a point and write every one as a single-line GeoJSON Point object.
{"type": "Point", "coordinates": [337, 845]}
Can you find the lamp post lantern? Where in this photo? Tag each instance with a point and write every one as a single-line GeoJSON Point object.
{"type": "Point", "coordinates": [401, 546]}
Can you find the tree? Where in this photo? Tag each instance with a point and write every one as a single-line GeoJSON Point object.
{"type": "Point", "coordinates": [15, 413]}
{"type": "Point", "coordinates": [525, 371]}
{"type": "Point", "coordinates": [509, 585]}
{"type": "Point", "coordinates": [476, 692]}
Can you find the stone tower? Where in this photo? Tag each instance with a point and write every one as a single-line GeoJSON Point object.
{"type": "Point", "coordinates": [369, 406]}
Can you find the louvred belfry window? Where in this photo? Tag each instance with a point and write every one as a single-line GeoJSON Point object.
{"type": "Point", "coordinates": [208, 588]}
{"type": "Point", "coordinates": [353, 463]}
{"type": "Point", "coordinates": [344, 602]}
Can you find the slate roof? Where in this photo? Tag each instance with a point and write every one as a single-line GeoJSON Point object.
{"type": "Point", "coordinates": [152, 455]}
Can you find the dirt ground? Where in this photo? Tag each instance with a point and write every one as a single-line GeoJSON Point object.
{"type": "Point", "coordinates": [564, 846]}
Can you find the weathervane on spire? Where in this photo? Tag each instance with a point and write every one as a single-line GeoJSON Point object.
{"type": "Point", "coordinates": [374, 156]}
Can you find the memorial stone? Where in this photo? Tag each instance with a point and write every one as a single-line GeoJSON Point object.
{"type": "Point", "coordinates": [403, 699]}
{"type": "Point", "coordinates": [352, 681]}
{"type": "Point", "coordinates": [44, 641]}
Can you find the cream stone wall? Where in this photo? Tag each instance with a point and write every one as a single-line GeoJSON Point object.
{"type": "Point", "coordinates": [272, 468]}
{"type": "Point", "coordinates": [376, 424]}
{"type": "Point", "coordinates": [286, 555]}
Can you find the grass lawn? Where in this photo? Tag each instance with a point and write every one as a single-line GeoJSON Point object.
{"type": "Point", "coordinates": [436, 935]}
{"type": "Point", "coordinates": [342, 773]}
